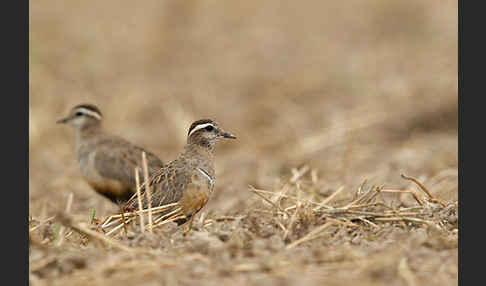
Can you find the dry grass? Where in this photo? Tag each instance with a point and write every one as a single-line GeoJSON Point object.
{"type": "Point", "coordinates": [331, 103]}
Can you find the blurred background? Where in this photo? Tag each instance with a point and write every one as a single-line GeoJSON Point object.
{"type": "Point", "coordinates": [351, 89]}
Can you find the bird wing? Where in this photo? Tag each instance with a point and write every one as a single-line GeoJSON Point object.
{"type": "Point", "coordinates": [117, 160]}
{"type": "Point", "coordinates": [168, 185]}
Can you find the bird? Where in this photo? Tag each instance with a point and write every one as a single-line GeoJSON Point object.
{"type": "Point", "coordinates": [189, 179]}
{"type": "Point", "coordinates": [107, 162]}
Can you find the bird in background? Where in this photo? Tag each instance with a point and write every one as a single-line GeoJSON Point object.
{"type": "Point", "coordinates": [107, 162]}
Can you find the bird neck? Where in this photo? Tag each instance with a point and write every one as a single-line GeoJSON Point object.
{"type": "Point", "coordinates": [89, 131]}
{"type": "Point", "coordinates": [199, 150]}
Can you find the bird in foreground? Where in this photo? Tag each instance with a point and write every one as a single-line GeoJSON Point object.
{"type": "Point", "coordinates": [189, 179]}
{"type": "Point", "coordinates": [107, 162]}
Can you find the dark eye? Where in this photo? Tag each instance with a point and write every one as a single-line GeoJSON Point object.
{"type": "Point", "coordinates": [209, 128]}
{"type": "Point", "coordinates": [78, 114]}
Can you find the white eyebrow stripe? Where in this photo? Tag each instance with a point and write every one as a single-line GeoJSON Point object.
{"type": "Point", "coordinates": [211, 180]}
{"type": "Point", "coordinates": [89, 112]}
{"type": "Point", "coordinates": [200, 126]}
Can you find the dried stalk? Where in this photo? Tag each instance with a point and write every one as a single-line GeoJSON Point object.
{"type": "Point", "coordinates": [148, 189]}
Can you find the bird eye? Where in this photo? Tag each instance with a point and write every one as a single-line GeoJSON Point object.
{"type": "Point", "coordinates": [209, 128]}
{"type": "Point", "coordinates": [78, 114]}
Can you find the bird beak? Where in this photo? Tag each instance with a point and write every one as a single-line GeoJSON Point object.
{"type": "Point", "coordinates": [228, 135]}
{"type": "Point", "coordinates": [62, 120]}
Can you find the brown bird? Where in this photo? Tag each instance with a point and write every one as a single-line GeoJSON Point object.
{"type": "Point", "coordinates": [189, 179]}
{"type": "Point", "coordinates": [106, 161]}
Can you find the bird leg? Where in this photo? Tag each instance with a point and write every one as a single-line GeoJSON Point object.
{"type": "Point", "coordinates": [187, 226]}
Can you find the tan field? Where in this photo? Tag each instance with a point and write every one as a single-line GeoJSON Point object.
{"type": "Point", "coordinates": [331, 102]}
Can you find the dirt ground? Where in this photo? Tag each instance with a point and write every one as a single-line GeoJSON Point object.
{"type": "Point", "coordinates": [331, 103]}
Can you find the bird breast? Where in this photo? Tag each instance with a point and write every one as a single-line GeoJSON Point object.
{"type": "Point", "coordinates": [203, 176]}
{"type": "Point", "coordinates": [86, 162]}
